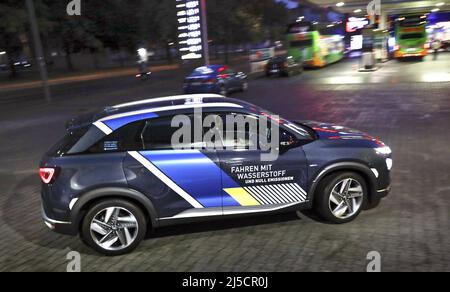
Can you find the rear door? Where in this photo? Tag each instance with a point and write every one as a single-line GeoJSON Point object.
{"type": "Point", "coordinates": [180, 183]}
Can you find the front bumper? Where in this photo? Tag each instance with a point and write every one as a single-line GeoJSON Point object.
{"type": "Point", "coordinates": [384, 192]}
{"type": "Point", "coordinates": [61, 227]}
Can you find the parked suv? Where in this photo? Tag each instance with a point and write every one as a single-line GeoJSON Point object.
{"type": "Point", "coordinates": [116, 174]}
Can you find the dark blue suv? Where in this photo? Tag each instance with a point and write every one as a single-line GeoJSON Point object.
{"type": "Point", "coordinates": [116, 174]}
{"type": "Point", "coordinates": [215, 79]}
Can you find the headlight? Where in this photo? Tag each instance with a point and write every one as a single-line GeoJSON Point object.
{"type": "Point", "coordinates": [384, 150]}
{"type": "Point", "coordinates": [389, 163]}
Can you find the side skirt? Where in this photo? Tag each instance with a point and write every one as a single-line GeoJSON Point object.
{"type": "Point", "coordinates": [209, 214]}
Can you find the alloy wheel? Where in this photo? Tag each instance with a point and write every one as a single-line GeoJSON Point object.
{"type": "Point", "coordinates": [346, 198]}
{"type": "Point", "coordinates": [114, 228]}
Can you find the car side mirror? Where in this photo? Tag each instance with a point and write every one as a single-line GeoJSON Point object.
{"type": "Point", "coordinates": [287, 141]}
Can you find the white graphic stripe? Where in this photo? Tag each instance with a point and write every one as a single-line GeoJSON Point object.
{"type": "Point", "coordinates": [104, 128]}
{"type": "Point", "coordinates": [167, 98]}
{"type": "Point", "coordinates": [268, 192]}
{"type": "Point", "coordinates": [293, 192]}
{"type": "Point", "coordinates": [288, 196]}
{"type": "Point", "coordinates": [290, 193]}
{"type": "Point", "coordinates": [285, 198]}
{"type": "Point", "coordinates": [300, 190]}
{"type": "Point", "coordinates": [254, 193]}
{"type": "Point", "coordinates": [296, 186]}
{"type": "Point", "coordinates": [171, 108]}
{"type": "Point", "coordinates": [256, 196]}
{"type": "Point", "coordinates": [153, 169]}
{"type": "Point", "coordinates": [262, 194]}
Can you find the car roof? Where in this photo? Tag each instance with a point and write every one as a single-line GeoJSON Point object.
{"type": "Point", "coordinates": [113, 117]}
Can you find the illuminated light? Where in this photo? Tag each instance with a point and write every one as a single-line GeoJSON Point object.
{"type": "Point", "coordinates": [189, 27]}
{"type": "Point", "coordinates": [340, 4]}
{"type": "Point", "coordinates": [436, 77]}
{"type": "Point", "coordinates": [440, 4]}
{"type": "Point", "coordinates": [47, 174]}
{"type": "Point", "coordinates": [401, 19]}
{"type": "Point", "coordinates": [435, 10]}
{"type": "Point", "coordinates": [397, 48]}
{"type": "Point", "coordinates": [389, 163]}
{"type": "Point", "coordinates": [344, 80]}
{"type": "Point", "coordinates": [3, 53]}
{"type": "Point", "coordinates": [384, 150]}
{"type": "Point", "coordinates": [357, 11]}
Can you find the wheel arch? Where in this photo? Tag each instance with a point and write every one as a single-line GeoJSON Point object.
{"type": "Point", "coordinates": [355, 167]}
{"type": "Point", "coordinates": [88, 199]}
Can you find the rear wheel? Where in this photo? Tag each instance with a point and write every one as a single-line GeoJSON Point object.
{"type": "Point", "coordinates": [340, 197]}
{"type": "Point", "coordinates": [114, 227]}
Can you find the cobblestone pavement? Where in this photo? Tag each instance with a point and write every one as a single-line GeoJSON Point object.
{"type": "Point", "coordinates": [408, 109]}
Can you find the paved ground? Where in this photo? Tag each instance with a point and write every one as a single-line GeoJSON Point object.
{"type": "Point", "coordinates": [406, 104]}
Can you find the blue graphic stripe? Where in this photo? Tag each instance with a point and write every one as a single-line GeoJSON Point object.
{"type": "Point", "coordinates": [196, 174]}
{"type": "Point", "coordinates": [115, 124]}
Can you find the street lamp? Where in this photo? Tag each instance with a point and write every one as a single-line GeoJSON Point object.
{"type": "Point", "coordinates": [205, 32]}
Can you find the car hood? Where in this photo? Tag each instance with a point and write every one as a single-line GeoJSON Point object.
{"type": "Point", "coordinates": [328, 131]}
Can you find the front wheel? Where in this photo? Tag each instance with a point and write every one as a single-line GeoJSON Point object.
{"type": "Point", "coordinates": [114, 227]}
{"type": "Point", "coordinates": [340, 197]}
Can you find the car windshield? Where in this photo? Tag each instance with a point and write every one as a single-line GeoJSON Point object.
{"type": "Point", "coordinates": [204, 71]}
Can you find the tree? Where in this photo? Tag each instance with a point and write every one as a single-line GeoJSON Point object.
{"type": "Point", "coordinates": [12, 26]}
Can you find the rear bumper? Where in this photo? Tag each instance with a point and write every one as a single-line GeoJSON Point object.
{"type": "Point", "coordinates": [400, 54]}
{"type": "Point", "coordinates": [61, 227]}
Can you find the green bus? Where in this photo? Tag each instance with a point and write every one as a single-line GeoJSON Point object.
{"type": "Point", "coordinates": [411, 36]}
{"type": "Point", "coordinates": [317, 45]}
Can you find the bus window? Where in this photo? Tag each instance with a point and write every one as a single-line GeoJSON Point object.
{"type": "Point", "coordinates": [302, 43]}
{"type": "Point", "coordinates": [411, 36]}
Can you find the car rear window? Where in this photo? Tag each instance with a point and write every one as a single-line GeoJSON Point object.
{"type": "Point", "coordinates": [67, 142]}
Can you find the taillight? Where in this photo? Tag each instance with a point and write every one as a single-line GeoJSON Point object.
{"type": "Point", "coordinates": [47, 174]}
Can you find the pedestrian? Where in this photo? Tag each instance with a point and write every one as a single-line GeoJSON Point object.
{"type": "Point", "coordinates": [436, 45]}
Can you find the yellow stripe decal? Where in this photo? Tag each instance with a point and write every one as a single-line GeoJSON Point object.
{"type": "Point", "coordinates": [242, 197]}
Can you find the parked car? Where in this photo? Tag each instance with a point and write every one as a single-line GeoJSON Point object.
{"type": "Point", "coordinates": [283, 66]}
{"type": "Point", "coordinates": [117, 174]}
{"type": "Point", "coordinates": [215, 79]}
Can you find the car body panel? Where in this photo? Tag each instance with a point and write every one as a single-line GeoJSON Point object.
{"type": "Point", "coordinates": [177, 186]}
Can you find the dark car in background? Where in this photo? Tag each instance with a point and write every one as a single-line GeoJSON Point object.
{"type": "Point", "coordinates": [283, 66]}
{"type": "Point", "coordinates": [215, 79]}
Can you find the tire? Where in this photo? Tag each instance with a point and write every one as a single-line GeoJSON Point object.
{"type": "Point", "coordinates": [330, 208]}
{"type": "Point", "coordinates": [121, 240]}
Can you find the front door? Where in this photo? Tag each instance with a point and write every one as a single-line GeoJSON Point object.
{"type": "Point", "coordinates": [252, 184]}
